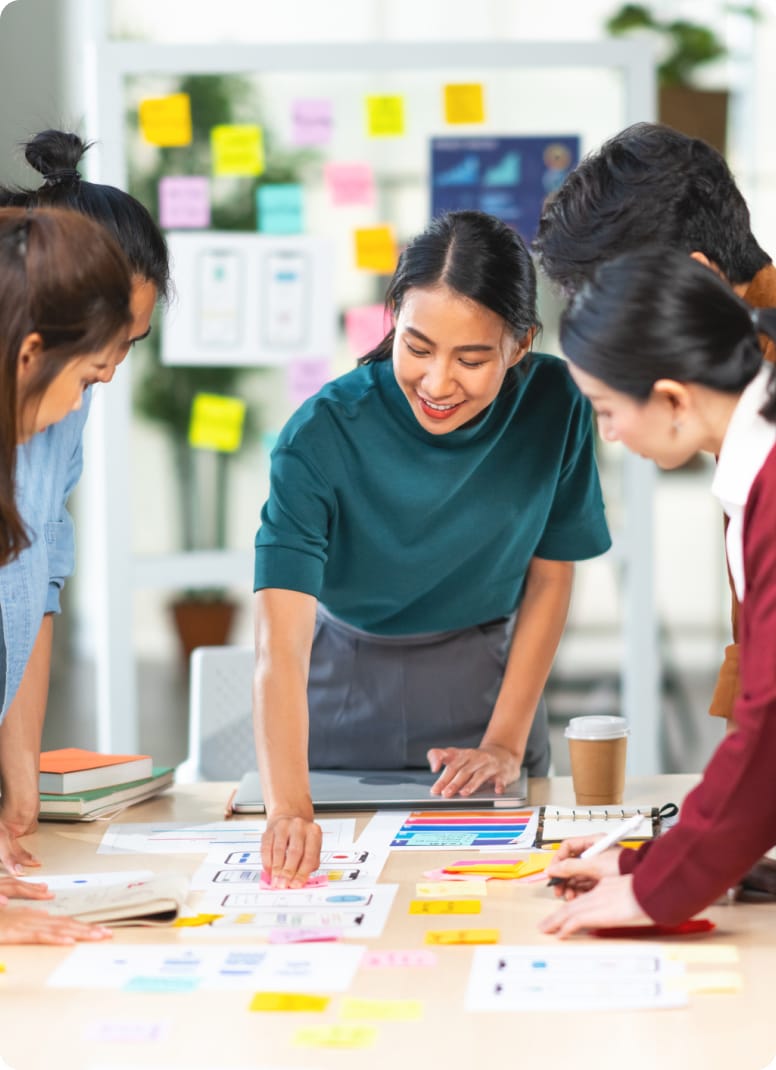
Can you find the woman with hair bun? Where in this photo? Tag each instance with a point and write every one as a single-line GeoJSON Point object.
{"type": "Point", "coordinates": [30, 580]}
{"type": "Point", "coordinates": [670, 359]}
{"type": "Point", "coordinates": [415, 557]}
{"type": "Point", "coordinates": [64, 320]}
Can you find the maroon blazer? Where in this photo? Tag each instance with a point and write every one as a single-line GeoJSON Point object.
{"type": "Point", "coordinates": [729, 820]}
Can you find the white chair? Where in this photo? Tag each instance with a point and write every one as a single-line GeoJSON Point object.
{"type": "Point", "coordinates": [221, 743]}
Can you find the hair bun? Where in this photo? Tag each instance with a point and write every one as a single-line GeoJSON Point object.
{"type": "Point", "coordinates": [55, 155]}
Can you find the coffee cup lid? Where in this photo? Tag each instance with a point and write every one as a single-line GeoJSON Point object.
{"type": "Point", "coordinates": [597, 727]}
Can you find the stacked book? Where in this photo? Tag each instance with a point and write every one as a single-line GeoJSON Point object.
{"type": "Point", "coordinates": [81, 785]}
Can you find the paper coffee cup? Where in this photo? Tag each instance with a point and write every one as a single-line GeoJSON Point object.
{"type": "Point", "coordinates": [597, 748]}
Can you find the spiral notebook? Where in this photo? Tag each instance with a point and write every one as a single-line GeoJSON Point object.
{"type": "Point", "coordinates": [558, 823]}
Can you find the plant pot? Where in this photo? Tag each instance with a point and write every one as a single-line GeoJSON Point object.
{"type": "Point", "coordinates": [696, 112]}
{"type": "Point", "coordinates": [202, 623]}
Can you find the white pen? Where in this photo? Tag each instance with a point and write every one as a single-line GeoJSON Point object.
{"type": "Point", "coordinates": [618, 833]}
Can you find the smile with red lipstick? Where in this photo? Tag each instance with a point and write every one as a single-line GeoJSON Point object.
{"type": "Point", "coordinates": [437, 412]}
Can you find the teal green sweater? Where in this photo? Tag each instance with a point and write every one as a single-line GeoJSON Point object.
{"type": "Point", "coordinates": [399, 531]}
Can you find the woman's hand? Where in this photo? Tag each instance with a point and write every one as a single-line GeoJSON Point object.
{"type": "Point", "coordinates": [290, 849]}
{"type": "Point", "coordinates": [467, 769]}
{"type": "Point", "coordinates": [13, 856]}
{"type": "Point", "coordinates": [11, 888]}
{"type": "Point", "coordinates": [28, 926]}
{"type": "Point", "coordinates": [611, 902]}
{"type": "Point", "coordinates": [581, 874]}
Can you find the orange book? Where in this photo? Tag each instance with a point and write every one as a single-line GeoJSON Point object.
{"type": "Point", "coordinates": [72, 769]}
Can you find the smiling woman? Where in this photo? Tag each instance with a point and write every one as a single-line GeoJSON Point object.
{"type": "Point", "coordinates": [414, 561]}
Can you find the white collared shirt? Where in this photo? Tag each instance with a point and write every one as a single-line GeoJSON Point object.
{"type": "Point", "coordinates": [748, 441]}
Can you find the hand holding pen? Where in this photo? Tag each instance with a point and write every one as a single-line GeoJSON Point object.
{"type": "Point", "coordinates": [582, 862]}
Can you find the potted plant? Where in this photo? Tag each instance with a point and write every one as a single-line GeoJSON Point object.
{"type": "Point", "coordinates": [687, 46]}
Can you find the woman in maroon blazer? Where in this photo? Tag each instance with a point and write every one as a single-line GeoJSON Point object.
{"type": "Point", "coordinates": [669, 357]}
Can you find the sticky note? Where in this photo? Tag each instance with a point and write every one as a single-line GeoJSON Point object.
{"type": "Point", "coordinates": [303, 379]}
{"type": "Point", "coordinates": [373, 960]}
{"type": "Point", "coordinates": [441, 937]}
{"type": "Point", "coordinates": [216, 423]}
{"type": "Point", "coordinates": [166, 121]}
{"type": "Point", "coordinates": [537, 863]}
{"type": "Point", "coordinates": [280, 208]}
{"type": "Point", "coordinates": [237, 149]}
{"type": "Point", "coordinates": [288, 1001]}
{"type": "Point", "coordinates": [445, 906]}
{"type": "Point", "coordinates": [723, 954]}
{"type": "Point", "coordinates": [350, 183]}
{"type": "Point", "coordinates": [385, 116]}
{"type": "Point", "coordinates": [303, 936]}
{"type": "Point", "coordinates": [311, 122]}
{"type": "Point", "coordinates": [126, 1031]}
{"type": "Point", "coordinates": [376, 249]}
{"type": "Point", "coordinates": [464, 103]}
{"type": "Point", "coordinates": [381, 1010]}
{"type": "Point", "coordinates": [708, 981]}
{"type": "Point", "coordinates": [365, 327]}
{"type": "Point", "coordinates": [336, 1036]}
{"type": "Point", "coordinates": [430, 889]}
{"type": "Point", "coordinates": [315, 880]}
{"type": "Point", "coordinates": [184, 201]}
{"type": "Point", "coordinates": [195, 921]}
{"type": "Point", "coordinates": [162, 984]}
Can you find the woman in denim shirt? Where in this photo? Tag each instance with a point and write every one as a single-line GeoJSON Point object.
{"type": "Point", "coordinates": [47, 469]}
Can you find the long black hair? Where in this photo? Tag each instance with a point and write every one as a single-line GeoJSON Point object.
{"type": "Point", "coordinates": [662, 315]}
{"type": "Point", "coordinates": [56, 155]}
{"type": "Point", "coordinates": [478, 257]}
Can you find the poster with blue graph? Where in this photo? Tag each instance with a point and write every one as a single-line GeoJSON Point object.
{"type": "Point", "coordinates": [509, 177]}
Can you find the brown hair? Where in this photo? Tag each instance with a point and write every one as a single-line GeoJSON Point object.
{"type": "Point", "coordinates": [63, 277]}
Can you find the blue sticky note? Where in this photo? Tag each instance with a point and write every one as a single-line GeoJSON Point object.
{"type": "Point", "coordinates": [162, 984]}
{"type": "Point", "coordinates": [280, 208]}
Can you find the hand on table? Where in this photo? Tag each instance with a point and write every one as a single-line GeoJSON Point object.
{"type": "Point", "coordinates": [579, 875]}
{"type": "Point", "coordinates": [11, 888]}
{"type": "Point", "coordinates": [13, 856]}
{"type": "Point", "coordinates": [290, 849]}
{"type": "Point", "coordinates": [467, 769]}
{"type": "Point", "coordinates": [611, 902]}
{"type": "Point", "coordinates": [28, 926]}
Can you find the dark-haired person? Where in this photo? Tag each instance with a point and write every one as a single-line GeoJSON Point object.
{"type": "Point", "coordinates": [669, 357]}
{"type": "Point", "coordinates": [65, 316]}
{"type": "Point", "coordinates": [30, 584]}
{"type": "Point", "coordinates": [415, 557]}
{"type": "Point", "coordinates": [648, 187]}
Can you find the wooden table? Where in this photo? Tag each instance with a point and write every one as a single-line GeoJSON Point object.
{"type": "Point", "coordinates": [49, 1029]}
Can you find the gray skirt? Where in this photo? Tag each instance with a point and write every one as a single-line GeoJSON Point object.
{"type": "Point", "coordinates": [380, 702]}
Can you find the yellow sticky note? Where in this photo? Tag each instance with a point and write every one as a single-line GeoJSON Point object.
{"type": "Point", "coordinates": [722, 954]}
{"type": "Point", "coordinates": [445, 906]}
{"type": "Point", "coordinates": [238, 149]}
{"type": "Point", "coordinates": [376, 249]}
{"type": "Point", "coordinates": [536, 863]}
{"type": "Point", "coordinates": [336, 1036]}
{"type": "Point", "coordinates": [381, 1010]}
{"type": "Point", "coordinates": [441, 937]}
{"type": "Point", "coordinates": [288, 1001]}
{"type": "Point", "coordinates": [432, 889]}
{"type": "Point", "coordinates": [216, 423]}
{"type": "Point", "coordinates": [195, 921]}
{"type": "Point", "coordinates": [385, 116]}
{"type": "Point", "coordinates": [464, 103]}
{"type": "Point", "coordinates": [166, 120]}
{"type": "Point", "coordinates": [709, 981]}
{"type": "Point", "coordinates": [490, 869]}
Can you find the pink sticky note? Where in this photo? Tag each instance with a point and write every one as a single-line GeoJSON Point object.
{"type": "Point", "coordinates": [303, 936]}
{"type": "Point", "coordinates": [184, 201]}
{"type": "Point", "coordinates": [414, 957]}
{"type": "Point", "coordinates": [311, 122]}
{"type": "Point", "coordinates": [315, 880]}
{"type": "Point", "coordinates": [306, 377]}
{"type": "Point", "coordinates": [443, 875]}
{"type": "Point", "coordinates": [350, 183]}
{"type": "Point", "coordinates": [365, 327]}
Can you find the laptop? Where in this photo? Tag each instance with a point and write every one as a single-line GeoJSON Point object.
{"type": "Point", "coordinates": [381, 789]}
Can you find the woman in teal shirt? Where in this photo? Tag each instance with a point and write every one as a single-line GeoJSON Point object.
{"type": "Point", "coordinates": [414, 560]}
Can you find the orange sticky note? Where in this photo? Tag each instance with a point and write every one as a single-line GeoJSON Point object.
{"type": "Point", "coordinates": [464, 103]}
{"type": "Point", "coordinates": [385, 116]}
{"type": "Point", "coordinates": [445, 906]}
{"type": "Point", "coordinates": [376, 249]}
{"type": "Point", "coordinates": [238, 149]}
{"type": "Point", "coordinates": [288, 1001]}
{"type": "Point", "coordinates": [442, 937]}
{"type": "Point", "coordinates": [166, 121]}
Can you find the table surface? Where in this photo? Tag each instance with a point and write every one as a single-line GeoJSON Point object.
{"type": "Point", "coordinates": [49, 1029]}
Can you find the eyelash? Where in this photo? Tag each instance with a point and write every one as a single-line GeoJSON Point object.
{"type": "Point", "coordinates": [424, 353]}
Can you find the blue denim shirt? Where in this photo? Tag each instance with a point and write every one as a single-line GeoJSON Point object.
{"type": "Point", "coordinates": [47, 469]}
